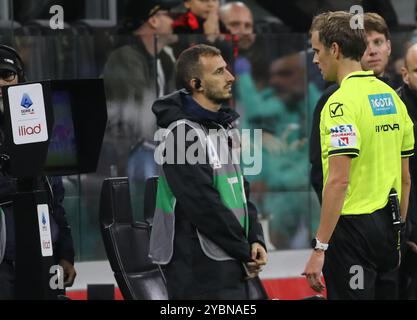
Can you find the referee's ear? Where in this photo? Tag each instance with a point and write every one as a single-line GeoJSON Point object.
{"type": "Point", "coordinates": [335, 49]}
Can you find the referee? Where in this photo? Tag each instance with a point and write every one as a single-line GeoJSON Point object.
{"type": "Point", "coordinates": [375, 58]}
{"type": "Point", "coordinates": [366, 138]}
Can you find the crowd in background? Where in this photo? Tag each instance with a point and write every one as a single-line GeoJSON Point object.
{"type": "Point", "coordinates": [276, 90]}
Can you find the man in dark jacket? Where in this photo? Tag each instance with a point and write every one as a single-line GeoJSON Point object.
{"type": "Point", "coordinates": [204, 230]}
{"type": "Point", "coordinates": [11, 72]}
{"type": "Point", "coordinates": [408, 269]}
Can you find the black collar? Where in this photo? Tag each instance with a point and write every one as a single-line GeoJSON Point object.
{"type": "Point", "coordinates": [360, 76]}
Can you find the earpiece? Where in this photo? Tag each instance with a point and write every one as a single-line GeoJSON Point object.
{"type": "Point", "coordinates": [21, 73]}
{"type": "Point", "coordinates": [197, 84]}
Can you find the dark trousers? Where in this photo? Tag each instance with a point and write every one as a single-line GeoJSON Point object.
{"type": "Point", "coordinates": [408, 274]}
{"type": "Point", "coordinates": [206, 280]}
{"type": "Point", "coordinates": [192, 275]}
{"type": "Point", "coordinates": [363, 257]}
{"type": "Point", "coordinates": [7, 280]}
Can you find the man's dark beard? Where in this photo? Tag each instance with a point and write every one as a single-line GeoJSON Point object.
{"type": "Point", "coordinates": [218, 100]}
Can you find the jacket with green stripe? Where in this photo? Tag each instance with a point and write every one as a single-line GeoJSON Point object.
{"type": "Point", "coordinates": [200, 210]}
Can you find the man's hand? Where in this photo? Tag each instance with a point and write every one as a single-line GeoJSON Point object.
{"type": "Point", "coordinates": [313, 270]}
{"type": "Point", "coordinates": [69, 272]}
{"type": "Point", "coordinates": [259, 257]}
{"type": "Point", "coordinates": [258, 254]}
{"type": "Point", "coordinates": [211, 25]}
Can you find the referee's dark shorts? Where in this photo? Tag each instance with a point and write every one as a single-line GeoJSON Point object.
{"type": "Point", "coordinates": [363, 258]}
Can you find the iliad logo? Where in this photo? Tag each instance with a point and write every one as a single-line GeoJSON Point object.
{"type": "Point", "coordinates": [28, 130]}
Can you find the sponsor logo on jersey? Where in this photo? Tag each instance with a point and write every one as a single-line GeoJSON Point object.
{"type": "Point", "coordinates": [343, 136]}
{"type": "Point", "coordinates": [382, 104]}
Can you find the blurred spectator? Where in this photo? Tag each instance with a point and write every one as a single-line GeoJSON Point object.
{"type": "Point", "coordinates": [202, 17]}
{"type": "Point", "coordinates": [136, 74]}
{"type": "Point", "coordinates": [238, 20]}
{"type": "Point", "coordinates": [272, 96]}
{"type": "Point", "coordinates": [282, 110]}
{"type": "Point", "coordinates": [201, 24]}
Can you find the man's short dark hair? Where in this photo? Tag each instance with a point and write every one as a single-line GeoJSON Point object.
{"type": "Point", "coordinates": [374, 22]}
{"type": "Point", "coordinates": [189, 65]}
{"type": "Point", "coordinates": [335, 27]}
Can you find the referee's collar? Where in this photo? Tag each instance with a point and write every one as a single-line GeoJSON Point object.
{"type": "Point", "coordinates": [358, 74]}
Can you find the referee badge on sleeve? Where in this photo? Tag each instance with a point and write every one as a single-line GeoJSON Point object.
{"type": "Point", "coordinates": [336, 109]}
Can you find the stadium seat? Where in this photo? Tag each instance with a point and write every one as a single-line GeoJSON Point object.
{"type": "Point", "coordinates": [150, 199]}
{"type": "Point", "coordinates": [127, 245]}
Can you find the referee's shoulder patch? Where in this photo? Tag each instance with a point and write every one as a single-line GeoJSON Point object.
{"type": "Point", "coordinates": [336, 109]}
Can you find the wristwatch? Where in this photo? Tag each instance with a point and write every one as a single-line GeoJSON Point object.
{"type": "Point", "coordinates": [317, 245]}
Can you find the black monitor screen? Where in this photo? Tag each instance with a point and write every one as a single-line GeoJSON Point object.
{"type": "Point", "coordinates": [62, 152]}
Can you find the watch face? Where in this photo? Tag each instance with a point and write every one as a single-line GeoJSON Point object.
{"type": "Point", "coordinates": [313, 243]}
